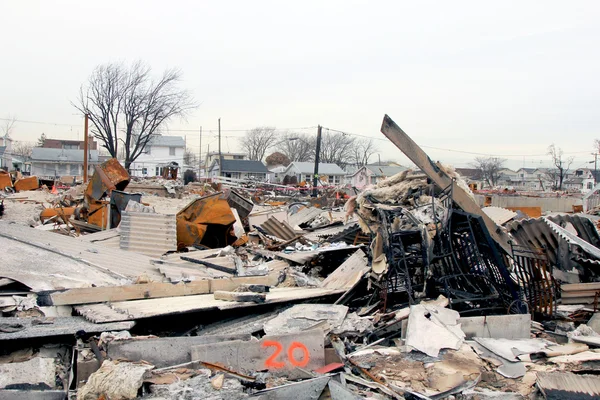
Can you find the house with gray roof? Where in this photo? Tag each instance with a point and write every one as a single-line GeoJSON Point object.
{"type": "Point", "coordinates": [304, 171]}
{"type": "Point", "coordinates": [54, 163]}
{"type": "Point", "coordinates": [371, 174]}
{"type": "Point", "coordinates": [238, 169]}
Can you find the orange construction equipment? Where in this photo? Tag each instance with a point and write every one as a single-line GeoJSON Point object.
{"type": "Point", "coordinates": [53, 212]}
{"type": "Point", "coordinates": [207, 221]}
{"type": "Point", "coordinates": [5, 180]}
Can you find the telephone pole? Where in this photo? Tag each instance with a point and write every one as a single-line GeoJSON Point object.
{"type": "Point", "coordinates": [595, 167]}
{"type": "Point", "coordinates": [318, 151]}
{"type": "Point", "coordinates": [85, 149]}
{"type": "Point", "coordinates": [200, 156]}
{"type": "Point", "coordinates": [220, 160]}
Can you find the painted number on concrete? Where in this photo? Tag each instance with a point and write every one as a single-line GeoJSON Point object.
{"type": "Point", "coordinates": [292, 352]}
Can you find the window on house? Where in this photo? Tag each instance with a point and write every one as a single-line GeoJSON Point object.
{"type": "Point", "coordinates": [144, 171]}
{"type": "Point", "coordinates": [590, 185]}
{"type": "Point", "coordinates": [171, 151]}
{"type": "Point", "coordinates": [238, 157]}
{"type": "Point", "coordinates": [578, 173]}
{"type": "Point", "coordinates": [157, 171]}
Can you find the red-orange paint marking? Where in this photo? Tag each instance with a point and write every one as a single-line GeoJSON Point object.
{"type": "Point", "coordinates": [305, 359]}
{"type": "Point", "coordinates": [271, 363]}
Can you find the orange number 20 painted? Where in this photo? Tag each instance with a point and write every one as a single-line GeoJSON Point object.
{"type": "Point", "coordinates": [272, 362]}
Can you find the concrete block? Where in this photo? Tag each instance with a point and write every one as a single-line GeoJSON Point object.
{"type": "Point", "coordinates": [516, 326]}
{"type": "Point", "coordinates": [164, 352]}
{"type": "Point", "coordinates": [594, 323]}
{"type": "Point", "coordinates": [278, 353]}
{"type": "Point", "coordinates": [36, 373]}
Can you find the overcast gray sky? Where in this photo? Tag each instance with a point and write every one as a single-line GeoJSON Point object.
{"type": "Point", "coordinates": [504, 78]}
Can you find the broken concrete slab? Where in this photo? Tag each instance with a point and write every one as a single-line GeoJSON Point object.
{"type": "Point", "coordinates": [432, 328]}
{"type": "Point", "coordinates": [277, 353]}
{"type": "Point", "coordinates": [486, 394]}
{"type": "Point", "coordinates": [511, 349]}
{"type": "Point", "coordinates": [166, 351]}
{"type": "Point", "coordinates": [36, 373]}
{"type": "Point", "coordinates": [305, 316]}
{"type": "Point", "coordinates": [310, 389]}
{"type": "Point", "coordinates": [58, 326]}
{"type": "Point", "coordinates": [114, 380]}
{"type": "Point", "coordinates": [515, 326]}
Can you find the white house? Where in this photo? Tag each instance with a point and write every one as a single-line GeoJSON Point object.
{"type": "Point", "coordinates": [6, 152]}
{"type": "Point", "coordinates": [161, 152]}
{"type": "Point", "coordinates": [580, 180]}
{"type": "Point", "coordinates": [304, 171]}
{"type": "Point", "coordinates": [52, 163]}
{"type": "Point", "coordinates": [371, 174]}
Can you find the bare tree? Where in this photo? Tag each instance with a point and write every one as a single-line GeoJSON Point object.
{"type": "Point", "coordinates": [337, 148]}
{"type": "Point", "coordinates": [117, 95]}
{"type": "Point", "coordinates": [561, 166]}
{"type": "Point", "coordinates": [257, 141]}
{"type": "Point", "coordinates": [190, 158]}
{"type": "Point", "coordinates": [363, 150]}
{"type": "Point", "coordinates": [22, 150]}
{"type": "Point", "coordinates": [41, 140]}
{"type": "Point", "coordinates": [8, 125]}
{"type": "Point", "coordinates": [297, 146]}
{"type": "Point", "coordinates": [277, 158]}
{"type": "Point", "coordinates": [489, 168]}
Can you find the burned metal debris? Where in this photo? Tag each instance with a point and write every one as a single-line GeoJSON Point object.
{"type": "Point", "coordinates": [220, 290]}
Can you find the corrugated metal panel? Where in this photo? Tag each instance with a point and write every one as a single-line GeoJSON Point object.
{"type": "Point", "coordinates": [120, 262]}
{"type": "Point", "coordinates": [278, 229]}
{"type": "Point", "coordinates": [329, 232]}
{"type": "Point", "coordinates": [148, 233]}
{"type": "Point", "coordinates": [304, 215]}
{"type": "Point", "coordinates": [567, 385]}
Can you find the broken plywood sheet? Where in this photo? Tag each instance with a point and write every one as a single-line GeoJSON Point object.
{"type": "Point", "coordinates": [276, 353]}
{"type": "Point", "coordinates": [584, 356]}
{"type": "Point", "coordinates": [302, 317]}
{"type": "Point", "coordinates": [166, 351]}
{"type": "Point", "coordinates": [136, 309]}
{"type": "Point", "coordinates": [58, 326]}
{"type": "Point", "coordinates": [349, 273]}
{"type": "Point", "coordinates": [515, 326]}
{"type": "Point", "coordinates": [432, 328]}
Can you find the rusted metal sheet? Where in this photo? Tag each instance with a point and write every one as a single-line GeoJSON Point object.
{"type": "Point", "coordinates": [108, 176]}
{"type": "Point", "coordinates": [5, 180]}
{"type": "Point", "coordinates": [29, 183]}
{"type": "Point", "coordinates": [98, 214]}
{"type": "Point", "coordinates": [436, 174]}
{"type": "Point", "coordinates": [531, 212]}
{"type": "Point", "coordinates": [206, 221]}
{"type": "Point", "coordinates": [64, 212]}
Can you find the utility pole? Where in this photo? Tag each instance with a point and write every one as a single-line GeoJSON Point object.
{"type": "Point", "coordinates": [200, 156]}
{"type": "Point", "coordinates": [220, 160]}
{"type": "Point", "coordinates": [595, 167]}
{"type": "Point", "coordinates": [317, 154]}
{"type": "Point", "coordinates": [85, 149]}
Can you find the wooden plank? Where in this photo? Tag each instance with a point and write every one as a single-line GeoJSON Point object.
{"type": "Point", "coordinates": [349, 273]}
{"type": "Point", "coordinates": [240, 296]}
{"type": "Point", "coordinates": [583, 293]}
{"type": "Point", "coordinates": [278, 353]}
{"type": "Point", "coordinates": [120, 293]}
{"type": "Point", "coordinates": [575, 287]}
{"type": "Point", "coordinates": [152, 290]}
{"type": "Point", "coordinates": [435, 173]}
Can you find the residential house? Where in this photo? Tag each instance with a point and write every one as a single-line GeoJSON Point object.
{"type": "Point", "coordinates": [214, 155]}
{"type": "Point", "coordinates": [372, 174]}
{"type": "Point", "coordinates": [6, 152]}
{"type": "Point", "coordinates": [238, 169]}
{"type": "Point", "coordinates": [53, 163]}
{"type": "Point", "coordinates": [473, 177]}
{"type": "Point", "coordinates": [580, 180]}
{"type": "Point", "coordinates": [526, 179]}
{"type": "Point", "coordinates": [161, 152]}
{"type": "Point", "coordinates": [275, 173]}
{"type": "Point", "coordinates": [304, 171]}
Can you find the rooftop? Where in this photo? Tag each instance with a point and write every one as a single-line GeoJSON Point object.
{"type": "Point", "coordinates": [63, 155]}
{"type": "Point", "coordinates": [167, 141]}
{"type": "Point", "coordinates": [382, 170]}
{"type": "Point", "coordinates": [309, 168]}
{"type": "Point", "coordinates": [244, 166]}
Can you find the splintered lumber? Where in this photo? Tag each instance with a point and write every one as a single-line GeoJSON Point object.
{"type": "Point", "coordinates": [148, 290]}
{"type": "Point", "coordinates": [465, 201]}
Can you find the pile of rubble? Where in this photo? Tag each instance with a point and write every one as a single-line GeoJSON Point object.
{"type": "Point", "coordinates": [409, 290]}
